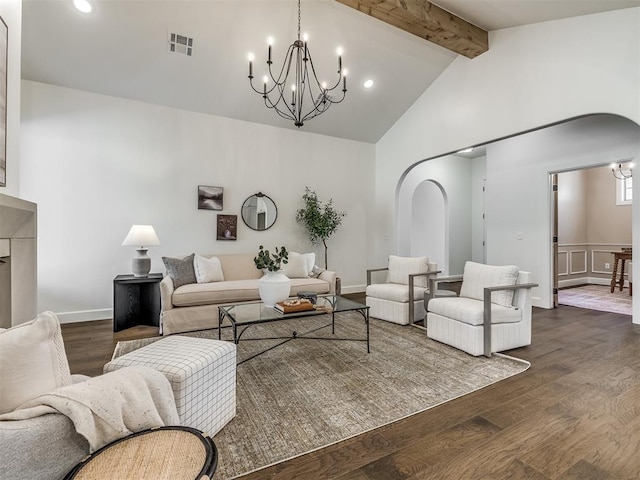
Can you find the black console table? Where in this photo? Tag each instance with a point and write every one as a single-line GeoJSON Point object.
{"type": "Point", "coordinates": [136, 301]}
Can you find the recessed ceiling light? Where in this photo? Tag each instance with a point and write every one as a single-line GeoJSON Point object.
{"type": "Point", "coordinates": [466, 150]}
{"type": "Point", "coordinates": [83, 5]}
{"type": "Point", "coordinates": [368, 84]}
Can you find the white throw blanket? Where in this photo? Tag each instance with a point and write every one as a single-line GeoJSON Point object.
{"type": "Point", "coordinates": [111, 406]}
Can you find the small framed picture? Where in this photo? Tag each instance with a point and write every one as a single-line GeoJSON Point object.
{"type": "Point", "coordinates": [209, 198]}
{"type": "Point", "coordinates": [227, 227]}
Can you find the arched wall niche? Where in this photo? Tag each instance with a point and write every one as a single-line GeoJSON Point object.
{"type": "Point", "coordinates": [429, 223]}
{"type": "Point", "coordinates": [517, 201]}
{"type": "Point", "coordinates": [453, 176]}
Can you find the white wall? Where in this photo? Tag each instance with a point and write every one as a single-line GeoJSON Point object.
{"type": "Point", "coordinates": [478, 178]}
{"type": "Point", "coordinates": [11, 12]}
{"type": "Point", "coordinates": [532, 76]}
{"type": "Point", "coordinates": [453, 174]}
{"type": "Point", "coordinates": [97, 164]}
{"type": "Point", "coordinates": [518, 193]}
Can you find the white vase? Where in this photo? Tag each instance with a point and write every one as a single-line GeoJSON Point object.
{"type": "Point", "coordinates": [274, 287]}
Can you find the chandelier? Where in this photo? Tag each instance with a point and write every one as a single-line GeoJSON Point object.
{"type": "Point", "coordinates": [621, 174]}
{"type": "Point", "coordinates": [309, 97]}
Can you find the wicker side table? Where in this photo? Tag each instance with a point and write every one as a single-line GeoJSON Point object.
{"type": "Point", "coordinates": [165, 453]}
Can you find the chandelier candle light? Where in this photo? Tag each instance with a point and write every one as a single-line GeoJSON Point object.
{"type": "Point", "coordinates": [309, 96]}
{"type": "Point", "coordinates": [619, 173]}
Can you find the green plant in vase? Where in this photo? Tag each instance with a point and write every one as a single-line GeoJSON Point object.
{"type": "Point", "coordinates": [274, 286]}
{"type": "Point", "coordinates": [272, 262]}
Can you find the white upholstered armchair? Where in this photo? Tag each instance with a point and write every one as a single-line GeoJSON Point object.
{"type": "Point", "coordinates": [492, 313]}
{"type": "Point", "coordinates": [400, 298]}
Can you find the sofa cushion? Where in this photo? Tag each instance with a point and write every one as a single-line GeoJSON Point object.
{"type": "Point", "coordinates": [308, 285]}
{"type": "Point", "coordinates": [32, 361]}
{"type": "Point", "coordinates": [471, 311]}
{"type": "Point", "coordinates": [394, 292]}
{"type": "Point", "coordinates": [239, 266]}
{"type": "Point", "coordinates": [477, 276]}
{"type": "Point", "coordinates": [299, 265]}
{"type": "Point", "coordinates": [207, 269]}
{"type": "Point", "coordinates": [180, 270]}
{"type": "Point", "coordinates": [231, 291]}
{"type": "Point", "coordinates": [216, 293]}
{"type": "Point", "coordinates": [401, 267]}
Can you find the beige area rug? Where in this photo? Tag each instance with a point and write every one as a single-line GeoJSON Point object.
{"type": "Point", "coordinates": [597, 297]}
{"type": "Point", "coordinates": [307, 394]}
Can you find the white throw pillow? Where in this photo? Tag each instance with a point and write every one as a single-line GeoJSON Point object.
{"type": "Point", "coordinates": [311, 261]}
{"type": "Point", "coordinates": [401, 267]}
{"type": "Point", "coordinates": [299, 265]}
{"type": "Point", "coordinates": [477, 276]}
{"type": "Point", "coordinates": [207, 269]}
{"type": "Point", "coordinates": [32, 361]}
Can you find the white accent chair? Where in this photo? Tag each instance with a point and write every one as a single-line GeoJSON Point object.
{"type": "Point", "coordinates": [492, 313]}
{"type": "Point", "coordinates": [400, 298]}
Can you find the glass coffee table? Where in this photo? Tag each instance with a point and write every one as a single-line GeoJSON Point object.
{"type": "Point", "coordinates": [244, 315]}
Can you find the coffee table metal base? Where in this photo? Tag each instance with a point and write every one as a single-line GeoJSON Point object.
{"type": "Point", "coordinates": [239, 328]}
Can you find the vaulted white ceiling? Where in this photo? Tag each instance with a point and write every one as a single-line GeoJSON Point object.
{"type": "Point", "coordinates": [121, 49]}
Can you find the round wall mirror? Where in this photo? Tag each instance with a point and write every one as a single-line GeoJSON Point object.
{"type": "Point", "coordinates": [259, 212]}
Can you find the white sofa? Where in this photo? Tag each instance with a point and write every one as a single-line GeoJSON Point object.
{"type": "Point", "coordinates": [194, 306]}
{"type": "Point", "coordinates": [492, 313]}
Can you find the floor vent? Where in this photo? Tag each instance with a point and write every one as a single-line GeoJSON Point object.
{"type": "Point", "coordinates": [180, 44]}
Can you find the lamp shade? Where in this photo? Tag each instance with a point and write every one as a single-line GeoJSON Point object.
{"type": "Point", "coordinates": [141, 236]}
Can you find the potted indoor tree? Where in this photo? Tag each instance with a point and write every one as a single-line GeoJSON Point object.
{"type": "Point", "coordinates": [274, 286]}
{"type": "Point", "coordinates": [320, 220]}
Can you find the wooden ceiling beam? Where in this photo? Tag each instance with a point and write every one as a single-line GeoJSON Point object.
{"type": "Point", "coordinates": [428, 21]}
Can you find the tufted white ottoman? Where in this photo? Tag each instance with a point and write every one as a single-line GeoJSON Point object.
{"type": "Point", "coordinates": [202, 373]}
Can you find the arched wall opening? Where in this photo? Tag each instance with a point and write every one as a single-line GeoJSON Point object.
{"type": "Point", "coordinates": [429, 223]}
{"type": "Point", "coordinates": [518, 208]}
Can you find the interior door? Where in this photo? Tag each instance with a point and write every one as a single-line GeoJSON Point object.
{"type": "Point", "coordinates": [554, 234]}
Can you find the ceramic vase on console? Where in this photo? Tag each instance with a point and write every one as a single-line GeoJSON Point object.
{"type": "Point", "coordinates": [274, 287]}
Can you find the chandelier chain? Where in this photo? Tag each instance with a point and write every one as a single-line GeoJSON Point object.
{"type": "Point", "coordinates": [299, 16]}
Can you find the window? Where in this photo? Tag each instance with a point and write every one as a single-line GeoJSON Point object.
{"type": "Point", "coordinates": [628, 189]}
{"type": "Point", "coordinates": [624, 191]}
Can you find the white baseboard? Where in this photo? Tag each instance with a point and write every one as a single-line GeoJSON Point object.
{"type": "Point", "coordinates": [85, 315]}
{"type": "Point", "coordinates": [107, 313]}
{"type": "Point", "coordinates": [586, 280]}
{"type": "Point", "coordinates": [354, 289]}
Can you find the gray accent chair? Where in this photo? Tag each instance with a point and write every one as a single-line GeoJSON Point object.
{"type": "Point", "coordinates": [42, 448]}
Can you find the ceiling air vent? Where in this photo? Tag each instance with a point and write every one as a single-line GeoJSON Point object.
{"type": "Point", "coordinates": [180, 44]}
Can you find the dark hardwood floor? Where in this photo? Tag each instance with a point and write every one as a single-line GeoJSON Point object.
{"type": "Point", "coordinates": [575, 414]}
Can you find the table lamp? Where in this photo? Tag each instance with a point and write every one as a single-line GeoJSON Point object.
{"type": "Point", "coordinates": [141, 236]}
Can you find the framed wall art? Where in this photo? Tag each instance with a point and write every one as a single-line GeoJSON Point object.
{"type": "Point", "coordinates": [227, 227]}
{"type": "Point", "coordinates": [209, 198]}
{"type": "Point", "coordinates": [3, 101]}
